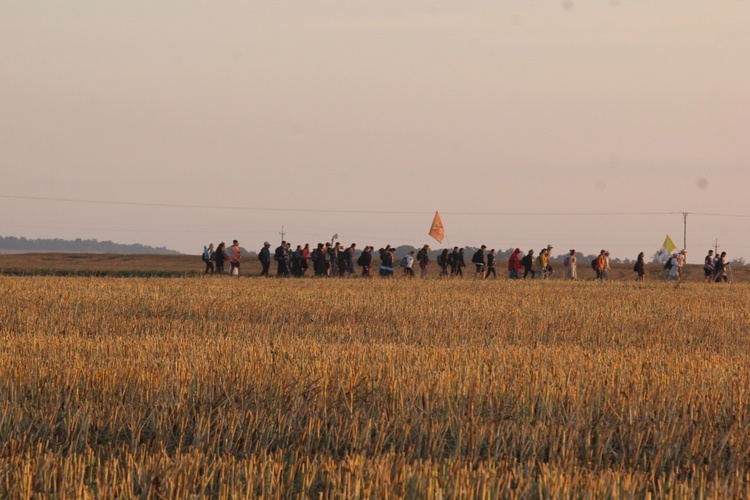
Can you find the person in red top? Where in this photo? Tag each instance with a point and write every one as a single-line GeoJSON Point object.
{"type": "Point", "coordinates": [305, 254]}
{"type": "Point", "coordinates": [515, 264]}
{"type": "Point", "coordinates": [234, 258]}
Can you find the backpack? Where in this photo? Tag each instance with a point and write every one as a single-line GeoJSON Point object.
{"type": "Point", "coordinates": [278, 254]}
{"type": "Point", "coordinates": [420, 255]}
{"type": "Point", "coordinates": [405, 261]}
{"type": "Point", "coordinates": [566, 262]}
{"type": "Point", "coordinates": [478, 258]}
{"type": "Point", "coordinates": [204, 257]}
{"type": "Point", "coordinates": [668, 265]}
{"type": "Point", "coordinates": [361, 260]}
{"type": "Point", "coordinates": [527, 260]}
{"type": "Point", "coordinates": [593, 264]}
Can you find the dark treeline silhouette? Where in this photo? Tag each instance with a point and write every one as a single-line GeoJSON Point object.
{"type": "Point", "coordinates": [12, 243]}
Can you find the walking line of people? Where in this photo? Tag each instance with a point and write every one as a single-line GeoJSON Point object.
{"type": "Point", "coordinates": [334, 259]}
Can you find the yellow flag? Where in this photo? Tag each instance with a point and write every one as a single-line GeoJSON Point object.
{"type": "Point", "coordinates": [437, 230]}
{"type": "Point", "coordinates": [667, 248]}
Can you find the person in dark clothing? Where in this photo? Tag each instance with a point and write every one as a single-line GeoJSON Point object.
{"type": "Point", "coordinates": [708, 267]}
{"type": "Point", "coordinates": [460, 264]}
{"type": "Point", "coordinates": [490, 265]}
{"type": "Point", "coordinates": [453, 260]}
{"type": "Point", "coordinates": [528, 264]}
{"type": "Point", "coordinates": [478, 260]}
{"type": "Point", "coordinates": [281, 256]}
{"type": "Point", "coordinates": [386, 267]}
{"type": "Point", "coordinates": [350, 255]}
{"type": "Point", "coordinates": [365, 262]}
{"type": "Point", "coordinates": [264, 256]}
{"type": "Point", "coordinates": [640, 267]}
{"type": "Point", "coordinates": [220, 257]}
{"type": "Point", "coordinates": [342, 262]}
{"type": "Point", "coordinates": [720, 271]}
{"type": "Point", "coordinates": [423, 258]}
{"type": "Point", "coordinates": [443, 261]}
{"type": "Point", "coordinates": [296, 258]}
{"type": "Point", "coordinates": [319, 260]}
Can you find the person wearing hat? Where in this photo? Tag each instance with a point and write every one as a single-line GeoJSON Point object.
{"type": "Point", "coordinates": [570, 263]}
{"type": "Point", "coordinates": [549, 269]}
{"type": "Point", "coordinates": [264, 256]}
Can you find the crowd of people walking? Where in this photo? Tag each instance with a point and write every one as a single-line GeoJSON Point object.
{"type": "Point", "coordinates": [332, 259]}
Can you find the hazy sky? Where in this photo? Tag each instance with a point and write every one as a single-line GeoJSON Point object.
{"type": "Point", "coordinates": [482, 106]}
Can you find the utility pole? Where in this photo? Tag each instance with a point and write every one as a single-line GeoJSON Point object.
{"type": "Point", "coordinates": [282, 233]}
{"type": "Point", "coordinates": [684, 230]}
{"type": "Point", "coordinates": [716, 246]}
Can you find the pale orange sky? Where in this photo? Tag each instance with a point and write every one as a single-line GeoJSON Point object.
{"type": "Point", "coordinates": [516, 106]}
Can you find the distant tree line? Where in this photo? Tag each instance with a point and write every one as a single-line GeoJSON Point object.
{"type": "Point", "coordinates": [78, 245]}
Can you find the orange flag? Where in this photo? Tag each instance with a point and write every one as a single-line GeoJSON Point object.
{"type": "Point", "coordinates": [437, 230]}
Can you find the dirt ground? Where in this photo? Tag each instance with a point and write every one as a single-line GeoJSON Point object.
{"type": "Point", "coordinates": [65, 262]}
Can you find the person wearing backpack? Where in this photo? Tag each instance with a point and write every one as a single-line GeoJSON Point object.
{"type": "Point", "coordinates": [208, 254]}
{"type": "Point", "coordinates": [461, 263]}
{"type": "Point", "coordinates": [673, 265]}
{"type": "Point", "coordinates": [598, 264]}
{"type": "Point", "coordinates": [234, 258]}
{"type": "Point", "coordinates": [264, 256]}
{"type": "Point", "coordinates": [408, 264]}
{"type": "Point", "coordinates": [478, 260]}
{"type": "Point", "coordinates": [365, 262]}
{"type": "Point", "coordinates": [571, 263]}
{"type": "Point", "coordinates": [528, 264]}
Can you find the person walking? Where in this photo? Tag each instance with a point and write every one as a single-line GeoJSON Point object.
{"type": "Point", "coordinates": [423, 258]}
{"type": "Point", "coordinates": [350, 253]}
{"type": "Point", "coordinates": [682, 260]}
{"type": "Point", "coordinates": [490, 265]}
{"type": "Point", "coordinates": [365, 262]}
{"type": "Point", "coordinates": [296, 258]}
{"type": "Point", "coordinates": [640, 267]}
{"type": "Point", "coordinates": [408, 264]}
{"type": "Point", "coordinates": [721, 268]}
{"type": "Point", "coordinates": [208, 254]}
{"type": "Point", "coordinates": [708, 267]}
{"type": "Point", "coordinates": [234, 258]}
{"type": "Point", "coordinates": [571, 265]}
{"type": "Point", "coordinates": [607, 269]}
{"type": "Point", "coordinates": [528, 264]}
{"type": "Point", "coordinates": [220, 257]}
{"type": "Point", "coordinates": [599, 266]}
{"type": "Point", "coordinates": [319, 260]}
{"type": "Point", "coordinates": [548, 267]}
{"type": "Point", "coordinates": [386, 265]}
{"type": "Point", "coordinates": [305, 257]}
{"type": "Point", "coordinates": [542, 261]}
{"type": "Point", "coordinates": [264, 256]}
{"type": "Point", "coordinates": [673, 264]}
{"type": "Point", "coordinates": [461, 265]}
{"type": "Point", "coordinates": [281, 256]}
{"type": "Point", "coordinates": [478, 260]}
{"type": "Point", "coordinates": [514, 264]}
{"type": "Point", "coordinates": [454, 261]}
{"type": "Point", "coordinates": [442, 261]}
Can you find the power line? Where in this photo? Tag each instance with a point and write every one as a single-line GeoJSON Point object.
{"type": "Point", "coordinates": [329, 210]}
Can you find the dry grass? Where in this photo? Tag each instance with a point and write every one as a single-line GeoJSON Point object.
{"type": "Point", "coordinates": [172, 387]}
